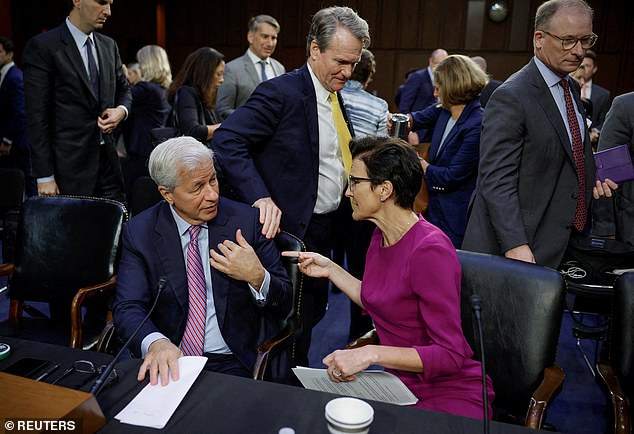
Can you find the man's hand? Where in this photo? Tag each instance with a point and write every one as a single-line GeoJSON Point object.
{"type": "Point", "coordinates": [110, 118]}
{"type": "Point", "coordinates": [521, 253]}
{"type": "Point", "coordinates": [47, 188]}
{"type": "Point", "coordinates": [238, 261]}
{"type": "Point", "coordinates": [161, 360]}
{"type": "Point", "coordinates": [270, 216]}
{"type": "Point", "coordinates": [604, 189]}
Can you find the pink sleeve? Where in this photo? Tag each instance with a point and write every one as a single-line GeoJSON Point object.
{"type": "Point", "coordinates": [435, 277]}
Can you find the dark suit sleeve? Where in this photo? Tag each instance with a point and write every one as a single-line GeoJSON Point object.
{"type": "Point", "coordinates": [618, 128]}
{"type": "Point", "coordinates": [123, 95]}
{"type": "Point", "coordinates": [134, 294]}
{"type": "Point", "coordinates": [247, 131]}
{"type": "Point", "coordinates": [39, 80]}
{"type": "Point", "coordinates": [15, 130]}
{"type": "Point", "coordinates": [501, 147]}
{"type": "Point", "coordinates": [425, 118]}
{"type": "Point", "coordinates": [464, 161]}
{"type": "Point", "coordinates": [188, 113]}
{"type": "Point", "coordinates": [409, 93]}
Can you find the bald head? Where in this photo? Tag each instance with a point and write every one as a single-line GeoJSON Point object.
{"type": "Point", "coordinates": [437, 56]}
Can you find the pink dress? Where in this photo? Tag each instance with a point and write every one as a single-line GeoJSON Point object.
{"type": "Point", "coordinates": [412, 291]}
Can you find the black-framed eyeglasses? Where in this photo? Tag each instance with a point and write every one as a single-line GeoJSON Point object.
{"type": "Point", "coordinates": [354, 180]}
{"type": "Point", "coordinates": [86, 367]}
{"type": "Point", "coordinates": [570, 43]}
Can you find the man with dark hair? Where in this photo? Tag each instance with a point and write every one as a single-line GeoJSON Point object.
{"type": "Point", "coordinates": [76, 95]}
{"type": "Point", "coordinates": [599, 96]}
{"type": "Point", "coordinates": [285, 151]}
{"type": "Point", "coordinates": [14, 145]}
{"type": "Point", "coordinates": [537, 174]}
{"type": "Point", "coordinates": [243, 74]}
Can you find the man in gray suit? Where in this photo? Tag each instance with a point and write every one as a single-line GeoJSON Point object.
{"type": "Point", "coordinates": [618, 129]}
{"type": "Point", "coordinates": [537, 173]}
{"type": "Point", "coordinates": [242, 75]}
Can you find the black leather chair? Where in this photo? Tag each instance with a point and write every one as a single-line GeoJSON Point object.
{"type": "Point", "coordinates": [618, 372]}
{"type": "Point", "coordinates": [289, 328]}
{"type": "Point", "coordinates": [67, 250]}
{"type": "Point", "coordinates": [144, 194]}
{"type": "Point", "coordinates": [522, 308]}
{"type": "Point", "coordinates": [12, 188]}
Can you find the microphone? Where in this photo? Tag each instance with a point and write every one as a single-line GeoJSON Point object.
{"type": "Point", "coordinates": [476, 306]}
{"type": "Point", "coordinates": [101, 381]}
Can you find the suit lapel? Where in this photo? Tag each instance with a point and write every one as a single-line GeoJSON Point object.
{"type": "Point", "coordinates": [250, 70]}
{"type": "Point", "coordinates": [218, 231]}
{"type": "Point", "coordinates": [441, 124]}
{"type": "Point", "coordinates": [169, 251]}
{"type": "Point", "coordinates": [74, 58]}
{"type": "Point", "coordinates": [473, 105]}
{"type": "Point", "coordinates": [310, 110]}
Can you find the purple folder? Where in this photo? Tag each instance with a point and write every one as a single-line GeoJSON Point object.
{"type": "Point", "coordinates": [615, 164]}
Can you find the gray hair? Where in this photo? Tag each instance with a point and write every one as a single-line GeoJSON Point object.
{"type": "Point", "coordinates": [255, 22]}
{"type": "Point", "coordinates": [173, 156]}
{"type": "Point", "coordinates": [326, 22]}
{"type": "Point", "coordinates": [548, 9]}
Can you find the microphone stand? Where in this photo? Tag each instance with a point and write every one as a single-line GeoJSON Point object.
{"type": "Point", "coordinates": [101, 381]}
{"type": "Point", "coordinates": [476, 306]}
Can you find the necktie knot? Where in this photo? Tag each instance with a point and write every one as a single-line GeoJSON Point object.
{"type": "Point", "coordinates": [564, 83]}
{"type": "Point", "coordinates": [193, 233]}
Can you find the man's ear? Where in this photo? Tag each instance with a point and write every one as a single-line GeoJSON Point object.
{"type": "Point", "coordinates": [314, 50]}
{"type": "Point", "coordinates": [250, 37]}
{"type": "Point", "coordinates": [167, 195]}
{"type": "Point", "coordinates": [538, 39]}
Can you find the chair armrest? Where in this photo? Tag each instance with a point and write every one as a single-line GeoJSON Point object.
{"type": "Point", "coordinates": [292, 326]}
{"type": "Point", "coordinates": [370, 338]}
{"type": "Point", "coordinates": [622, 415]}
{"type": "Point", "coordinates": [6, 269]}
{"type": "Point", "coordinates": [553, 379]}
{"type": "Point", "coordinates": [75, 309]}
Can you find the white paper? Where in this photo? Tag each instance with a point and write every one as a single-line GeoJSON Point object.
{"type": "Point", "coordinates": [376, 385]}
{"type": "Point", "coordinates": [154, 405]}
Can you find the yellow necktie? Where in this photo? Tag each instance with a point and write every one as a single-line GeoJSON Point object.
{"type": "Point", "coordinates": [343, 133]}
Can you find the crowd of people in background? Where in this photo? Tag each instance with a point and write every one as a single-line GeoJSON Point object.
{"type": "Point", "coordinates": [509, 171]}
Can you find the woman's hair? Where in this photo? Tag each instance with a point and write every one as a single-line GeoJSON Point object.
{"type": "Point", "coordinates": [154, 65]}
{"type": "Point", "coordinates": [459, 79]}
{"type": "Point", "coordinates": [170, 158]}
{"type": "Point", "coordinates": [198, 71]}
{"type": "Point", "coordinates": [391, 159]}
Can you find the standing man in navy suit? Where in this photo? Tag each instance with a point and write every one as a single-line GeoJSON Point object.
{"type": "Point", "coordinates": [286, 150]}
{"type": "Point", "coordinates": [76, 95]}
{"type": "Point", "coordinates": [14, 146]}
{"type": "Point", "coordinates": [223, 277]}
{"type": "Point", "coordinates": [418, 91]}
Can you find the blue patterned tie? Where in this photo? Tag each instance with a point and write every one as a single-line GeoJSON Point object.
{"type": "Point", "coordinates": [263, 69]}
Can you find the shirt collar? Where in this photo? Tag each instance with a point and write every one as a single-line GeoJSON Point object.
{"type": "Point", "coordinates": [79, 36]}
{"type": "Point", "coordinates": [5, 68]}
{"type": "Point", "coordinates": [181, 224]}
{"type": "Point", "coordinates": [549, 76]}
{"type": "Point", "coordinates": [255, 59]}
{"type": "Point", "coordinates": [321, 92]}
{"type": "Point", "coordinates": [353, 85]}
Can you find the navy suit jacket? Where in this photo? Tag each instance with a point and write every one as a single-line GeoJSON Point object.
{"type": "Point", "coordinates": [269, 147]}
{"type": "Point", "coordinates": [451, 176]}
{"type": "Point", "coordinates": [62, 109]}
{"type": "Point", "coordinates": [601, 102]}
{"type": "Point", "coordinates": [13, 121]}
{"type": "Point", "coordinates": [152, 249]}
{"type": "Point", "coordinates": [149, 110]}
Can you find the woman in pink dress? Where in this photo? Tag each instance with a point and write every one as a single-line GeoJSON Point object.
{"type": "Point", "coordinates": [411, 286]}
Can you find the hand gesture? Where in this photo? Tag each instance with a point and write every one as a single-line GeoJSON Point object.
{"type": "Point", "coordinates": [311, 264]}
{"type": "Point", "coordinates": [161, 360]}
{"type": "Point", "coordinates": [238, 261]}
{"type": "Point", "coordinates": [270, 216]}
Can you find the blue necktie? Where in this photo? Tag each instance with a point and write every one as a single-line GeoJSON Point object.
{"type": "Point", "coordinates": [92, 69]}
{"type": "Point", "coordinates": [263, 69]}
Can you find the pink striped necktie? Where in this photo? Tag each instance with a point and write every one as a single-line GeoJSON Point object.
{"type": "Point", "coordinates": [581, 213]}
{"type": "Point", "coordinates": [193, 342]}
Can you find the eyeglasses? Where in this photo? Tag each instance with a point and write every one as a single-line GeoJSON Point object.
{"type": "Point", "coordinates": [86, 367]}
{"type": "Point", "coordinates": [570, 43]}
{"type": "Point", "coordinates": [354, 180]}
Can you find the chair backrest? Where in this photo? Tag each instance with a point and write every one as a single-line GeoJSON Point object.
{"type": "Point", "coordinates": [287, 241]}
{"type": "Point", "coordinates": [65, 243]}
{"type": "Point", "coordinates": [622, 338]}
{"type": "Point", "coordinates": [144, 194]}
{"type": "Point", "coordinates": [522, 308]}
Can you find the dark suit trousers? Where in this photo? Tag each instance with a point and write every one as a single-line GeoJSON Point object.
{"type": "Point", "coordinates": [109, 182]}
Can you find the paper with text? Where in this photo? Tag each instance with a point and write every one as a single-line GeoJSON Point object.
{"type": "Point", "coordinates": [154, 405]}
{"type": "Point", "coordinates": [377, 385]}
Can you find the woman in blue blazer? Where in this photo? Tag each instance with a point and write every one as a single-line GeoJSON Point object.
{"type": "Point", "coordinates": [453, 155]}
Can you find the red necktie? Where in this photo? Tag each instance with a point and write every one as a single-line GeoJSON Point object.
{"type": "Point", "coordinates": [193, 342]}
{"type": "Point", "coordinates": [581, 213]}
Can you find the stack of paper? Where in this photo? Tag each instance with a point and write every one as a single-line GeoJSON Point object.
{"type": "Point", "coordinates": [154, 405]}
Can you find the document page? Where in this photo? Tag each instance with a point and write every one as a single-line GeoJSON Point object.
{"type": "Point", "coordinates": [376, 385]}
{"type": "Point", "coordinates": [154, 405]}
